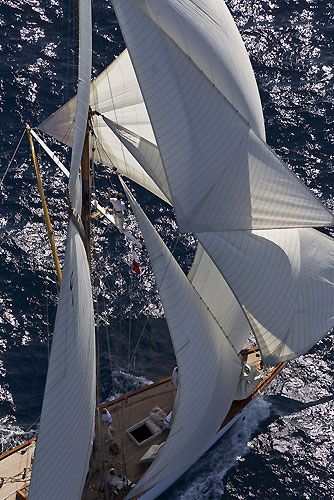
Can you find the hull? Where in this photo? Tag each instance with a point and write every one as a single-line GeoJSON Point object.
{"type": "Point", "coordinates": [232, 418]}
{"type": "Point", "coordinates": [130, 411]}
{"type": "Point", "coordinates": [164, 485]}
{"type": "Point", "coordinates": [127, 411]}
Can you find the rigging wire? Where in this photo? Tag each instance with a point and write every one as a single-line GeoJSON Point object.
{"type": "Point", "coordinates": [100, 147]}
{"type": "Point", "coordinates": [130, 318]}
{"type": "Point", "coordinates": [47, 319]}
{"type": "Point", "coordinates": [12, 158]}
{"type": "Point", "coordinates": [138, 341]}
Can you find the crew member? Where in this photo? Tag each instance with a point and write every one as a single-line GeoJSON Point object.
{"type": "Point", "coordinates": [119, 209]}
{"type": "Point", "coordinates": [118, 481]}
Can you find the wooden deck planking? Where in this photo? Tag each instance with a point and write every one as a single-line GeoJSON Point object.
{"type": "Point", "coordinates": [130, 411]}
{"type": "Point", "coordinates": [12, 465]}
{"type": "Point", "coordinates": [126, 412]}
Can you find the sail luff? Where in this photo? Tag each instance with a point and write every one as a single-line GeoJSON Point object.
{"type": "Point", "coordinates": [209, 368]}
{"type": "Point", "coordinates": [145, 152]}
{"type": "Point", "coordinates": [219, 298]}
{"type": "Point", "coordinates": [82, 100]}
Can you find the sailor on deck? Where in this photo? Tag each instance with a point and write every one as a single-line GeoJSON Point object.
{"type": "Point", "coordinates": [106, 417]}
{"type": "Point", "coordinates": [118, 481]}
{"type": "Point", "coordinates": [108, 429]}
{"type": "Point", "coordinates": [118, 208]}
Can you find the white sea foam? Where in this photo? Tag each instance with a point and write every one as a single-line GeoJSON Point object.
{"type": "Point", "coordinates": [207, 475]}
{"type": "Point", "coordinates": [124, 382]}
{"type": "Point", "coordinates": [12, 435]}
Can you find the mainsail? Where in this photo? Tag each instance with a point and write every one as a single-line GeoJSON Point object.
{"type": "Point", "coordinates": [62, 455]}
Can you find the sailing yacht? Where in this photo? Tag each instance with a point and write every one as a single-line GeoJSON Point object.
{"type": "Point", "coordinates": [179, 113]}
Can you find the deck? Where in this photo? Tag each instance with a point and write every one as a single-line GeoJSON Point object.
{"type": "Point", "coordinates": [15, 469]}
{"type": "Point", "coordinates": [15, 465]}
{"type": "Point", "coordinates": [134, 407]}
{"type": "Point", "coordinates": [126, 412]}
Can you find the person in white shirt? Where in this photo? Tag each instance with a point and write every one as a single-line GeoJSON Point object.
{"type": "Point", "coordinates": [108, 429]}
{"type": "Point", "coordinates": [106, 417]}
{"type": "Point", "coordinates": [118, 208]}
{"type": "Point", "coordinates": [118, 481]}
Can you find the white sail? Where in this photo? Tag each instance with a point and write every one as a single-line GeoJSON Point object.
{"type": "Point", "coordinates": [209, 368]}
{"type": "Point", "coordinates": [115, 93]}
{"type": "Point", "coordinates": [284, 279]}
{"type": "Point", "coordinates": [145, 152]}
{"type": "Point", "coordinates": [206, 33]}
{"type": "Point", "coordinates": [67, 421]}
{"type": "Point", "coordinates": [221, 174]}
{"type": "Point", "coordinates": [211, 286]}
{"type": "Point", "coordinates": [66, 430]}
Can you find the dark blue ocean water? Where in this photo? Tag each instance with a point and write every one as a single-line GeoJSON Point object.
{"type": "Point", "coordinates": [285, 447]}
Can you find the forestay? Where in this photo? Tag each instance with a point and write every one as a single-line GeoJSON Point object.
{"type": "Point", "coordinates": [190, 64]}
{"type": "Point", "coordinates": [209, 368]}
{"type": "Point", "coordinates": [67, 420]}
{"type": "Point", "coordinates": [285, 280]}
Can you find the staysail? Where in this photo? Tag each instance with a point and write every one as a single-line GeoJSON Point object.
{"type": "Point", "coordinates": [217, 295]}
{"type": "Point", "coordinates": [285, 280]}
{"type": "Point", "coordinates": [209, 368]}
{"type": "Point", "coordinates": [67, 420]}
{"type": "Point", "coordinates": [115, 94]}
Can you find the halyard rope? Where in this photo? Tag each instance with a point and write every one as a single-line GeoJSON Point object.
{"type": "Point", "coordinates": [12, 158]}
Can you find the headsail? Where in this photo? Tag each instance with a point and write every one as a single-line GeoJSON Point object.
{"type": "Point", "coordinates": [285, 280]}
{"type": "Point", "coordinates": [67, 421]}
{"type": "Point", "coordinates": [221, 174]}
{"type": "Point", "coordinates": [211, 286]}
{"type": "Point", "coordinates": [116, 94]}
{"type": "Point", "coordinates": [209, 368]}
{"type": "Point", "coordinates": [145, 152]}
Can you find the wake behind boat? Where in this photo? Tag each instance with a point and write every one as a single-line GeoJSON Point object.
{"type": "Point", "coordinates": [259, 266]}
